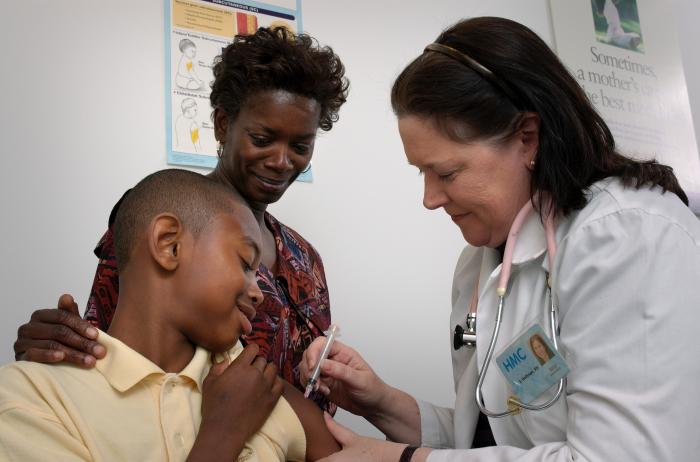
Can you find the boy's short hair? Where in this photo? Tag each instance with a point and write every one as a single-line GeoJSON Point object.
{"type": "Point", "coordinates": [193, 198]}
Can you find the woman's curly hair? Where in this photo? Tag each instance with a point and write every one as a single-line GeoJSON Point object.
{"type": "Point", "coordinates": [277, 59]}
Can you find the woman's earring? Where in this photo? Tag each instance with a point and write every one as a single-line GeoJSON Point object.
{"type": "Point", "coordinates": [532, 163]}
{"type": "Point", "coordinates": [220, 150]}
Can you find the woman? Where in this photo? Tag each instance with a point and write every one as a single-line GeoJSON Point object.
{"type": "Point", "coordinates": [496, 124]}
{"type": "Point", "coordinates": [540, 349]}
{"type": "Point", "coordinates": [271, 93]}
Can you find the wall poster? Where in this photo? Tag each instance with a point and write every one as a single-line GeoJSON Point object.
{"type": "Point", "coordinates": [625, 54]}
{"type": "Point", "coordinates": [195, 33]}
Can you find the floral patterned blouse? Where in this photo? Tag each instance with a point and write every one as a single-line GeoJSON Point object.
{"type": "Point", "coordinates": [294, 311]}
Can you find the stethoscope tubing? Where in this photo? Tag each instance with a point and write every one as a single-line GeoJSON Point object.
{"type": "Point", "coordinates": [515, 404]}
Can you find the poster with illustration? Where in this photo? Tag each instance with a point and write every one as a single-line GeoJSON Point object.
{"type": "Point", "coordinates": [625, 55]}
{"type": "Point", "coordinates": [617, 23]}
{"type": "Point", "coordinates": [195, 33]}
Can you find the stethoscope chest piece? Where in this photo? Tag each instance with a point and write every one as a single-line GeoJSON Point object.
{"type": "Point", "coordinates": [465, 337]}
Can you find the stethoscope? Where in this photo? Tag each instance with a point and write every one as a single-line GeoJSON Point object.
{"type": "Point", "coordinates": [467, 337]}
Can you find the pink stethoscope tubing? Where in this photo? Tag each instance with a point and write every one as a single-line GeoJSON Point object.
{"type": "Point", "coordinates": [514, 404]}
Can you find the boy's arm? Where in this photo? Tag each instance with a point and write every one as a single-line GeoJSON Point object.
{"type": "Point", "coordinates": [319, 441]}
{"type": "Point", "coordinates": [29, 434]}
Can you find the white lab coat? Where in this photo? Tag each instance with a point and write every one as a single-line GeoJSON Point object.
{"type": "Point", "coordinates": [627, 280]}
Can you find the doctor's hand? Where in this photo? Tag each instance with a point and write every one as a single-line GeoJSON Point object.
{"type": "Point", "coordinates": [346, 379]}
{"type": "Point", "coordinates": [358, 448]}
{"type": "Point", "coordinates": [54, 335]}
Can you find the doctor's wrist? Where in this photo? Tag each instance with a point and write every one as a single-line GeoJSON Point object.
{"type": "Point", "coordinates": [384, 405]}
{"type": "Point", "coordinates": [414, 454]}
{"type": "Point", "coordinates": [397, 416]}
{"type": "Point", "coordinates": [407, 453]}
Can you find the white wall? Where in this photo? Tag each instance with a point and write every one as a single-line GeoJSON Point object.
{"type": "Point", "coordinates": [82, 120]}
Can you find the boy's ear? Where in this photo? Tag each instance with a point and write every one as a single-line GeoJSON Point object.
{"type": "Point", "coordinates": [220, 125]}
{"type": "Point", "coordinates": [165, 240]}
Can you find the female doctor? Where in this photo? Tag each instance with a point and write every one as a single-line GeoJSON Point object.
{"type": "Point", "coordinates": [511, 148]}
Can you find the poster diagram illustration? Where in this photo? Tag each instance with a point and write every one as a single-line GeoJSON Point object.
{"type": "Point", "coordinates": [195, 33]}
{"type": "Point", "coordinates": [187, 128]}
{"type": "Point", "coordinates": [187, 77]}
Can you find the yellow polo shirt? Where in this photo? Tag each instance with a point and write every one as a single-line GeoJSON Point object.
{"type": "Point", "coordinates": [126, 408]}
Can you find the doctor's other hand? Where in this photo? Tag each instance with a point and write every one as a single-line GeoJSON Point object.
{"type": "Point", "coordinates": [346, 379]}
{"type": "Point", "coordinates": [58, 334]}
{"type": "Point", "coordinates": [358, 448]}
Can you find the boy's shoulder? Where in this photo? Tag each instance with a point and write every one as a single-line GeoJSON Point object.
{"type": "Point", "coordinates": [24, 372]}
{"type": "Point", "coordinates": [41, 386]}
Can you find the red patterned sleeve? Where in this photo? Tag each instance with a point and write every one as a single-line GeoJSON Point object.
{"type": "Point", "coordinates": [105, 287]}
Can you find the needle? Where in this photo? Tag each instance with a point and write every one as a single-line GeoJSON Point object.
{"type": "Point", "coordinates": [330, 337]}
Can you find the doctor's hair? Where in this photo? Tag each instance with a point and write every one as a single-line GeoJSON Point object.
{"type": "Point", "coordinates": [277, 59]}
{"type": "Point", "coordinates": [576, 147]}
{"type": "Point", "coordinates": [193, 198]}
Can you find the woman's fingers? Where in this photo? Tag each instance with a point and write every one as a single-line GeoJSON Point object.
{"type": "Point", "coordinates": [311, 355]}
{"type": "Point", "coordinates": [38, 355]}
{"type": "Point", "coordinates": [65, 318]}
{"type": "Point", "coordinates": [342, 434]}
{"type": "Point", "coordinates": [339, 352]}
{"type": "Point", "coordinates": [342, 373]}
{"type": "Point", "coordinates": [50, 351]}
{"type": "Point", "coordinates": [345, 354]}
{"type": "Point", "coordinates": [54, 335]}
{"type": "Point", "coordinates": [60, 329]}
{"type": "Point", "coordinates": [67, 303]}
{"type": "Point", "coordinates": [323, 389]}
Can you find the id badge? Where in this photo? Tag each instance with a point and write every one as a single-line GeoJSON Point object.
{"type": "Point", "coordinates": [531, 364]}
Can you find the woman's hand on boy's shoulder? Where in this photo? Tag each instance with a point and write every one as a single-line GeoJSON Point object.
{"type": "Point", "coordinates": [58, 334]}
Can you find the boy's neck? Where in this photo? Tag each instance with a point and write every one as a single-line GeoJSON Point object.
{"type": "Point", "coordinates": [138, 323]}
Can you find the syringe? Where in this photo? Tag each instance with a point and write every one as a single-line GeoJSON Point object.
{"type": "Point", "coordinates": [330, 337]}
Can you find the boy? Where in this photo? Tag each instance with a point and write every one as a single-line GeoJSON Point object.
{"type": "Point", "coordinates": [187, 250]}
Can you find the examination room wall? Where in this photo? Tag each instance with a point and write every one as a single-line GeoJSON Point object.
{"type": "Point", "coordinates": [82, 120]}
